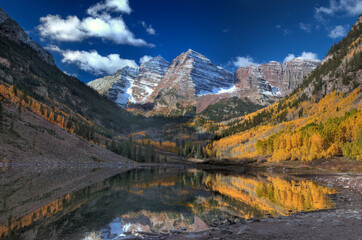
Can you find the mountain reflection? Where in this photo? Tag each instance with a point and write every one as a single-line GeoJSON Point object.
{"type": "Point", "coordinates": [154, 200]}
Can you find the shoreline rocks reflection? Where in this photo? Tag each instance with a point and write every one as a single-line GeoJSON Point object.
{"type": "Point", "coordinates": [161, 200]}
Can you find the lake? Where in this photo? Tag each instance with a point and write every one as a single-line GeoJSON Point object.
{"type": "Point", "coordinates": [100, 203]}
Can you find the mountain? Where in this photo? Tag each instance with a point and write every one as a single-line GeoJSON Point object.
{"type": "Point", "coordinates": [192, 74]}
{"type": "Point", "coordinates": [132, 85]}
{"type": "Point", "coordinates": [72, 115]}
{"type": "Point", "coordinates": [192, 82]}
{"type": "Point", "coordinates": [150, 75]}
{"type": "Point", "coordinates": [273, 78]}
{"type": "Point", "coordinates": [340, 69]}
{"type": "Point", "coordinates": [322, 118]}
{"type": "Point", "coordinates": [189, 76]}
{"type": "Point", "coordinates": [11, 29]}
{"type": "Point", "coordinates": [117, 87]}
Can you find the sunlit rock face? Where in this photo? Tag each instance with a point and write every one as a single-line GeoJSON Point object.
{"type": "Point", "coordinates": [273, 78]}
{"type": "Point", "coordinates": [150, 75]}
{"type": "Point", "coordinates": [117, 87]}
{"type": "Point", "coordinates": [132, 85]}
{"type": "Point", "coordinates": [11, 29]}
{"type": "Point", "coordinates": [189, 76]}
{"type": "Point", "coordinates": [295, 71]}
{"type": "Point", "coordinates": [192, 82]}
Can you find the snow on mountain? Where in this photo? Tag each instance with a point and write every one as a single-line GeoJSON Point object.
{"type": "Point", "coordinates": [191, 74]}
{"type": "Point", "coordinates": [273, 78]}
{"type": "Point", "coordinates": [132, 85]}
{"type": "Point", "coordinates": [150, 75]}
{"type": "Point", "coordinates": [177, 87]}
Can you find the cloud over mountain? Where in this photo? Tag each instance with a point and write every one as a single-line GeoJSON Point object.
{"type": "Point", "coordinates": [338, 31]}
{"type": "Point", "coordinates": [304, 55]}
{"type": "Point", "coordinates": [99, 24]}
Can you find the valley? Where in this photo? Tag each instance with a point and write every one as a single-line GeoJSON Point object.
{"type": "Point", "coordinates": [179, 149]}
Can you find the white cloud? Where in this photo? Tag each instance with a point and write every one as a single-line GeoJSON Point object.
{"type": "Point", "coordinates": [100, 24]}
{"type": "Point", "coordinates": [145, 58]}
{"type": "Point", "coordinates": [338, 31]}
{"type": "Point", "coordinates": [244, 61]}
{"type": "Point", "coordinates": [309, 55]}
{"type": "Point", "coordinates": [57, 28]}
{"type": "Point", "coordinates": [110, 5]}
{"type": "Point", "coordinates": [306, 27]}
{"type": "Point", "coordinates": [71, 74]}
{"type": "Point", "coordinates": [53, 48]}
{"type": "Point", "coordinates": [92, 61]}
{"type": "Point", "coordinates": [289, 57]}
{"type": "Point", "coordinates": [305, 55]}
{"type": "Point", "coordinates": [96, 64]}
{"type": "Point", "coordinates": [149, 29]}
{"type": "Point", "coordinates": [349, 7]}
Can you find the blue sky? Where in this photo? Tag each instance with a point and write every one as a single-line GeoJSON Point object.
{"type": "Point", "coordinates": [92, 38]}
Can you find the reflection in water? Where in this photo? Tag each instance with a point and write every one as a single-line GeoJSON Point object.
{"type": "Point", "coordinates": [154, 200]}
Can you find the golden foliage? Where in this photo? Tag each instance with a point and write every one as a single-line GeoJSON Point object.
{"type": "Point", "coordinates": [327, 128]}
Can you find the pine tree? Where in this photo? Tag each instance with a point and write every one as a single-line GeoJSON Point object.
{"type": "Point", "coordinates": [20, 107]}
{"type": "Point", "coordinates": [113, 146]}
{"type": "Point", "coordinates": [185, 151]}
{"type": "Point", "coordinates": [199, 152]}
{"type": "Point", "coordinates": [140, 155]}
{"type": "Point", "coordinates": [1, 116]}
{"type": "Point", "coordinates": [193, 151]}
{"type": "Point", "coordinates": [41, 109]}
{"type": "Point", "coordinates": [134, 153]}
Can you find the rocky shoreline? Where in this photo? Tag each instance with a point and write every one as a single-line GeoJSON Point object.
{"type": "Point", "coordinates": [342, 222]}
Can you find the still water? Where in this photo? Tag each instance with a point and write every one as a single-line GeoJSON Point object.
{"type": "Point", "coordinates": [96, 203]}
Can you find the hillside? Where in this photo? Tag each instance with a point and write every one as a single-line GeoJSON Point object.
{"type": "Point", "coordinates": [29, 81]}
{"type": "Point", "coordinates": [29, 138]}
{"type": "Point", "coordinates": [321, 119]}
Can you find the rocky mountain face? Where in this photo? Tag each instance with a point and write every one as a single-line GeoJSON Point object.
{"type": "Point", "coordinates": [150, 75]}
{"type": "Point", "coordinates": [273, 78]}
{"type": "Point", "coordinates": [192, 82]}
{"type": "Point", "coordinates": [341, 69]}
{"type": "Point", "coordinates": [192, 74]}
{"type": "Point", "coordinates": [294, 73]}
{"type": "Point", "coordinates": [189, 76]}
{"type": "Point", "coordinates": [132, 85]}
{"type": "Point", "coordinates": [117, 87]}
{"type": "Point", "coordinates": [11, 29]}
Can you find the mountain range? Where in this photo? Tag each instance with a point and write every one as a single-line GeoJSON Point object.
{"type": "Point", "coordinates": [44, 111]}
{"type": "Point", "coordinates": [192, 82]}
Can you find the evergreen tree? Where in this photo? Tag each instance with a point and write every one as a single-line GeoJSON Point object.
{"type": "Point", "coordinates": [20, 107]}
{"type": "Point", "coordinates": [113, 146]}
{"type": "Point", "coordinates": [1, 116]}
{"type": "Point", "coordinates": [193, 151]}
{"type": "Point", "coordinates": [185, 151]}
{"type": "Point", "coordinates": [199, 154]}
{"type": "Point", "coordinates": [134, 152]}
{"type": "Point", "coordinates": [42, 110]}
{"type": "Point", "coordinates": [140, 155]}
{"type": "Point", "coordinates": [69, 124]}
